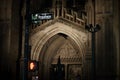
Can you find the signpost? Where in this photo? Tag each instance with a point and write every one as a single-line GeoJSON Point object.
{"type": "Point", "coordinates": [26, 41]}
{"type": "Point", "coordinates": [35, 18]}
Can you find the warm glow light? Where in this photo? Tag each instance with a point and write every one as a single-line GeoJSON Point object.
{"type": "Point", "coordinates": [32, 65]}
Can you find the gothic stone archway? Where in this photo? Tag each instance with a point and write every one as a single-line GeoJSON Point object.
{"type": "Point", "coordinates": [57, 38]}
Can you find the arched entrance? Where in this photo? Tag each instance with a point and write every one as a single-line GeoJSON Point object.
{"type": "Point", "coordinates": [61, 40]}
{"type": "Point", "coordinates": [70, 59]}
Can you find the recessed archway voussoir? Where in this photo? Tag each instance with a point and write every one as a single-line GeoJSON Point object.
{"type": "Point", "coordinates": [52, 30]}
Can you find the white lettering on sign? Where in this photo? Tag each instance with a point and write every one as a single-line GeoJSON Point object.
{"type": "Point", "coordinates": [44, 17]}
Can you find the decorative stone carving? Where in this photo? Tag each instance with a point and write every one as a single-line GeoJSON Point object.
{"type": "Point", "coordinates": [67, 54]}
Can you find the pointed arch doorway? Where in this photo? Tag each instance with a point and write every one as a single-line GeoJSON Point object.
{"type": "Point", "coordinates": [59, 40]}
{"type": "Point", "coordinates": [70, 59]}
{"type": "Point", "coordinates": [69, 54]}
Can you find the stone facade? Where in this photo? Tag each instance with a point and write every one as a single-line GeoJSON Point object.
{"type": "Point", "coordinates": [106, 13]}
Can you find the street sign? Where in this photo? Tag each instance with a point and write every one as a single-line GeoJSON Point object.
{"type": "Point", "coordinates": [37, 17]}
{"type": "Point", "coordinates": [41, 16]}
